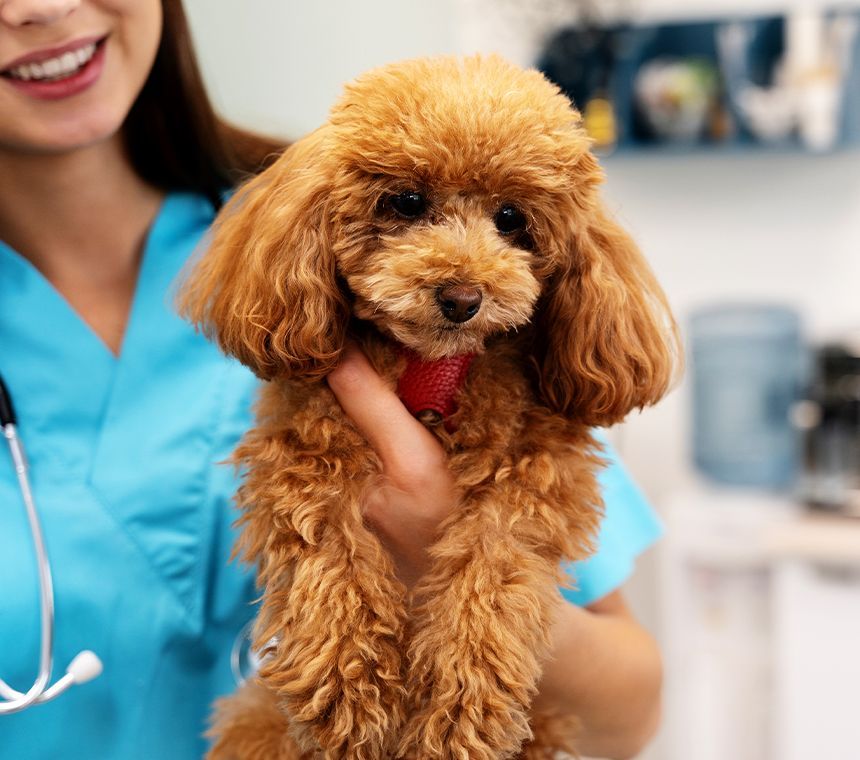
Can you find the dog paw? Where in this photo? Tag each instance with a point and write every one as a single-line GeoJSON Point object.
{"type": "Point", "coordinates": [359, 722]}
{"type": "Point", "coordinates": [465, 713]}
{"type": "Point", "coordinates": [463, 729]}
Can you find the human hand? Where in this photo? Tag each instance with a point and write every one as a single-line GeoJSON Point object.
{"type": "Point", "coordinates": [417, 491]}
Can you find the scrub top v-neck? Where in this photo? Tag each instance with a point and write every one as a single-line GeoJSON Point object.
{"type": "Point", "coordinates": [136, 510]}
{"type": "Point", "coordinates": [125, 456]}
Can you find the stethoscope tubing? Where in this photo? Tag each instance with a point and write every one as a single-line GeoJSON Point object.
{"type": "Point", "coordinates": [17, 701]}
{"type": "Point", "coordinates": [85, 665]}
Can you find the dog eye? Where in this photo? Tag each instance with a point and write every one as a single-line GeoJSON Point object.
{"type": "Point", "coordinates": [509, 219]}
{"type": "Point", "coordinates": [408, 204]}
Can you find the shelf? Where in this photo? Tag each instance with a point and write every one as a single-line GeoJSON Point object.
{"type": "Point", "coordinates": [739, 528]}
{"type": "Point", "coordinates": [729, 149]}
{"type": "Point", "coordinates": [711, 86]}
{"type": "Point", "coordinates": [821, 539]}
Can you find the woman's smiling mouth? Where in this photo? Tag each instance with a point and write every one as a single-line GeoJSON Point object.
{"type": "Point", "coordinates": [58, 72]}
{"type": "Point", "coordinates": [54, 68]}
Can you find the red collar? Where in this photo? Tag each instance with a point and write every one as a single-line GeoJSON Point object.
{"type": "Point", "coordinates": [432, 385]}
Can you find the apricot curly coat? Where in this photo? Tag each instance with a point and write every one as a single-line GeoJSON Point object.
{"type": "Point", "coordinates": [573, 332]}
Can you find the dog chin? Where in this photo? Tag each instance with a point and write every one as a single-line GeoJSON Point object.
{"type": "Point", "coordinates": [432, 343]}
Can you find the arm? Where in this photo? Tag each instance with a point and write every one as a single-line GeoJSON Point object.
{"type": "Point", "coordinates": [607, 670]}
{"type": "Point", "coordinates": [605, 667]}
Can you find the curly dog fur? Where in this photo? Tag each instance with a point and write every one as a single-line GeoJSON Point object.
{"type": "Point", "coordinates": [572, 332]}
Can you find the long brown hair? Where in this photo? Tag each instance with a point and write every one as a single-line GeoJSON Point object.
{"type": "Point", "coordinates": [174, 138]}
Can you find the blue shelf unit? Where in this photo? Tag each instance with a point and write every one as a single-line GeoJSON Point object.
{"type": "Point", "coordinates": [588, 61]}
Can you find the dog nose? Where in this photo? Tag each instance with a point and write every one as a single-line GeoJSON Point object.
{"type": "Point", "coordinates": [459, 303]}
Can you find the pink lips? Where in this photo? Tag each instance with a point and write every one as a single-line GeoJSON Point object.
{"type": "Point", "coordinates": [81, 80]}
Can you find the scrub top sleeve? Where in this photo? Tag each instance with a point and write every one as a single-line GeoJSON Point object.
{"type": "Point", "coordinates": [629, 527]}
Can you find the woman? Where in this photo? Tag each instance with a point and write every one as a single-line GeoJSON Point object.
{"type": "Point", "coordinates": [111, 166]}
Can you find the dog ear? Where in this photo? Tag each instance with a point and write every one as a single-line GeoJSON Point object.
{"type": "Point", "coordinates": [609, 342]}
{"type": "Point", "coordinates": [266, 289]}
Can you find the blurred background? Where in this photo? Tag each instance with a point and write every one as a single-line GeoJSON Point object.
{"type": "Point", "coordinates": [729, 132]}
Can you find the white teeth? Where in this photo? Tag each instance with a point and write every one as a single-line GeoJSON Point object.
{"type": "Point", "coordinates": [55, 68]}
{"type": "Point", "coordinates": [52, 67]}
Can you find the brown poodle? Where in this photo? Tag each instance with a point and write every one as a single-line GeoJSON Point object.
{"type": "Point", "coordinates": [448, 208]}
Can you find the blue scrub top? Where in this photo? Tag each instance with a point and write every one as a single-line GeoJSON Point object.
{"type": "Point", "coordinates": [137, 512]}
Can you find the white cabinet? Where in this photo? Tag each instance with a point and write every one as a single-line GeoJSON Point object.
{"type": "Point", "coordinates": [761, 630]}
{"type": "Point", "coordinates": [817, 660]}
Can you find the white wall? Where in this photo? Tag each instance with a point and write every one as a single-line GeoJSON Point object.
{"type": "Point", "coordinates": [746, 225]}
{"type": "Point", "coordinates": [278, 65]}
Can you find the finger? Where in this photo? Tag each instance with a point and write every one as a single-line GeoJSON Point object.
{"type": "Point", "coordinates": [402, 442]}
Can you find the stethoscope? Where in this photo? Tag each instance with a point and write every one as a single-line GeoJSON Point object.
{"type": "Point", "coordinates": [245, 661]}
{"type": "Point", "coordinates": [86, 665]}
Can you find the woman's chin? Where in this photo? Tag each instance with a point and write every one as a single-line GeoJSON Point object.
{"type": "Point", "coordinates": [81, 131]}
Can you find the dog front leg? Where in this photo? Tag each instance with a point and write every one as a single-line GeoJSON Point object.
{"type": "Point", "coordinates": [481, 632]}
{"type": "Point", "coordinates": [337, 666]}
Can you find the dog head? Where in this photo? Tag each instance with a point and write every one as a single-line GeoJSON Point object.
{"type": "Point", "coordinates": [446, 201]}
